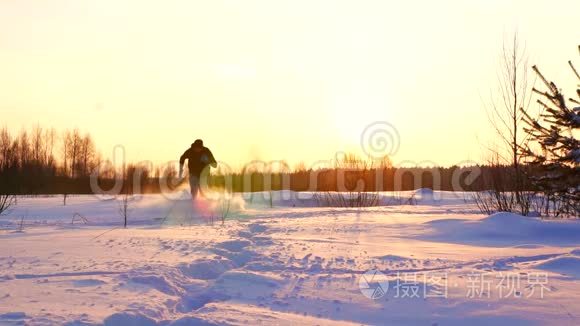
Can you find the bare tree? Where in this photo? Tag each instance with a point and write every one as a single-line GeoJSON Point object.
{"type": "Point", "coordinates": [5, 145]}
{"type": "Point", "coordinates": [38, 146]}
{"type": "Point", "coordinates": [65, 151]}
{"type": "Point", "coordinates": [506, 113]}
{"type": "Point", "coordinates": [125, 207]}
{"type": "Point", "coordinates": [86, 155]}
{"type": "Point", "coordinates": [24, 152]}
{"type": "Point", "coordinates": [511, 100]}
{"type": "Point", "coordinates": [7, 201]}
{"type": "Point", "coordinates": [71, 151]}
{"type": "Point", "coordinates": [74, 152]}
{"type": "Point", "coordinates": [50, 139]}
{"type": "Point", "coordinates": [127, 195]}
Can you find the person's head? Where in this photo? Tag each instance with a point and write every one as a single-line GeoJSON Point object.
{"type": "Point", "coordinates": [197, 145]}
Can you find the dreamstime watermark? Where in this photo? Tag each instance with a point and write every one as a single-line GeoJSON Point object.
{"type": "Point", "coordinates": [379, 140]}
{"type": "Point", "coordinates": [375, 284]}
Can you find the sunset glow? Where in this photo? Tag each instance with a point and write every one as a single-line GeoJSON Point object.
{"type": "Point", "coordinates": [295, 81]}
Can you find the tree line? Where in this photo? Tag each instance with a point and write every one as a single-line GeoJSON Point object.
{"type": "Point", "coordinates": [43, 160]}
{"type": "Point", "coordinates": [46, 161]}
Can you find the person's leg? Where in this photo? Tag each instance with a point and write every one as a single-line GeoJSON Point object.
{"type": "Point", "coordinates": [194, 186]}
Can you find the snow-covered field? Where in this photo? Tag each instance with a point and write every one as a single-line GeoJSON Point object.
{"type": "Point", "coordinates": [438, 262]}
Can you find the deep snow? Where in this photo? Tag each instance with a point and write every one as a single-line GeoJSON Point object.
{"type": "Point", "coordinates": [443, 263]}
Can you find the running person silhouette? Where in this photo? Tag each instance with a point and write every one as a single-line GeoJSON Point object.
{"type": "Point", "coordinates": [199, 158]}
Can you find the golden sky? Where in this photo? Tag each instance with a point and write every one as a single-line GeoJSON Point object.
{"type": "Point", "coordinates": [271, 80]}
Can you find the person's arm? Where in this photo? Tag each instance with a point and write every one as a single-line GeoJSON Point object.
{"type": "Point", "coordinates": [182, 161]}
{"type": "Point", "coordinates": [211, 159]}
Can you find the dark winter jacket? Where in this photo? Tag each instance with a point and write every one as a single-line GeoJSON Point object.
{"type": "Point", "coordinates": [197, 160]}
